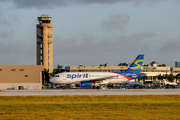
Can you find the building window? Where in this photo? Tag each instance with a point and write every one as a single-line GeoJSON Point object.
{"type": "Point", "coordinates": [21, 69]}
{"type": "Point", "coordinates": [25, 75]}
{"type": "Point", "coordinates": [13, 69]}
{"type": "Point", "coordinates": [40, 21]}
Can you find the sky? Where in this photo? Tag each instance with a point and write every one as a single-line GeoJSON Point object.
{"type": "Point", "coordinates": [92, 32]}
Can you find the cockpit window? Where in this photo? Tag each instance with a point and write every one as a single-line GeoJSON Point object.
{"type": "Point", "coordinates": [56, 76]}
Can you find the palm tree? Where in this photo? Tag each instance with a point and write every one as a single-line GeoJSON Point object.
{"type": "Point", "coordinates": [164, 65]}
{"type": "Point", "coordinates": [59, 67]}
{"type": "Point", "coordinates": [153, 62]}
{"type": "Point", "coordinates": [165, 76]}
{"type": "Point", "coordinates": [120, 64]}
{"type": "Point", "coordinates": [106, 64]}
{"type": "Point", "coordinates": [159, 77]}
{"type": "Point", "coordinates": [177, 77]}
{"type": "Point", "coordinates": [45, 74]}
{"type": "Point", "coordinates": [171, 77]}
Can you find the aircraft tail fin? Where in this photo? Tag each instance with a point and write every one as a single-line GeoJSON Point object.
{"type": "Point", "coordinates": [136, 65]}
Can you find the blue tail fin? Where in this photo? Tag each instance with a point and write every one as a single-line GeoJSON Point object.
{"type": "Point", "coordinates": [136, 65]}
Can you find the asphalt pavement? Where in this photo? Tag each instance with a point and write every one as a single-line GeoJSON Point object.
{"type": "Point", "coordinates": [52, 92]}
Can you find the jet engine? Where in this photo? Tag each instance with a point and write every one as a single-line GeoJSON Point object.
{"type": "Point", "coordinates": [86, 84]}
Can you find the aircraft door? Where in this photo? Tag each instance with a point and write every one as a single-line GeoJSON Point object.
{"type": "Point", "coordinates": [65, 76]}
{"type": "Point", "coordinates": [89, 76]}
{"type": "Point", "coordinates": [65, 80]}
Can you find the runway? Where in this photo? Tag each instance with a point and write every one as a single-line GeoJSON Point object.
{"type": "Point", "coordinates": [59, 92]}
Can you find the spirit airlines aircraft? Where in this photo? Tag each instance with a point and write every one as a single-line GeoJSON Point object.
{"type": "Point", "coordinates": [94, 79]}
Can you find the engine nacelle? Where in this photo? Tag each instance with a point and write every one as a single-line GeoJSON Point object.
{"type": "Point", "coordinates": [86, 84]}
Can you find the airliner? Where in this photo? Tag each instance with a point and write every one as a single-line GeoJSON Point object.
{"type": "Point", "coordinates": [169, 83]}
{"type": "Point", "coordinates": [94, 79]}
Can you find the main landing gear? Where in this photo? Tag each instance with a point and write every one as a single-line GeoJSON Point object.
{"type": "Point", "coordinates": [96, 87]}
{"type": "Point", "coordinates": [64, 86]}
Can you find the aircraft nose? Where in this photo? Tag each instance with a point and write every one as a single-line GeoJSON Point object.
{"type": "Point", "coordinates": [52, 80]}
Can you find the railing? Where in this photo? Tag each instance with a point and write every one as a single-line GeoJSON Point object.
{"type": "Point", "coordinates": [39, 42]}
{"type": "Point", "coordinates": [49, 36]}
{"type": "Point", "coordinates": [50, 42]}
{"type": "Point", "coordinates": [39, 35]}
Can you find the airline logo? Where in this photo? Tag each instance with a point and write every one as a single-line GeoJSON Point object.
{"type": "Point", "coordinates": [136, 65]}
{"type": "Point", "coordinates": [72, 76]}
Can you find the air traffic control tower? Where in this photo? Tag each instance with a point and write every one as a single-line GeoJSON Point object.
{"type": "Point", "coordinates": [44, 42]}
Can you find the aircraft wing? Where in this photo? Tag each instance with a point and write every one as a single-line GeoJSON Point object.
{"type": "Point", "coordinates": [100, 79]}
{"type": "Point", "coordinates": [136, 75]}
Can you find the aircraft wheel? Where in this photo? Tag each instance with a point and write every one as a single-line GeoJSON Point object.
{"type": "Point", "coordinates": [98, 87]}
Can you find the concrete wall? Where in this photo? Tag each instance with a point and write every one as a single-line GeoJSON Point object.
{"type": "Point", "coordinates": [28, 76]}
{"type": "Point", "coordinates": [15, 86]}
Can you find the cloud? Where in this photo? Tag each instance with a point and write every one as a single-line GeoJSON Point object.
{"type": "Point", "coordinates": [63, 3]}
{"type": "Point", "coordinates": [18, 53]}
{"type": "Point", "coordinates": [117, 22]}
{"type": "Point", "coordinates": [88, 45]}
{"type": "Point", "coordinates": [4, 34]}
{"type": "Point", "coordinates": [15, 19]}
{"type": "Point", "coordinates": [89, 51]}
{"type": "Point", "coordinates": [167, 53]}
{"type": "Point", "coordinates": [3, 21]}
{"type": "Point", "coordinates": [171, 45]}
{"type": "Point", "coordinates": [17, 47]}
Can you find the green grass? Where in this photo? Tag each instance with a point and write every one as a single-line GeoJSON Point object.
{"type": "Point", "coordinates": [91, 107]}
